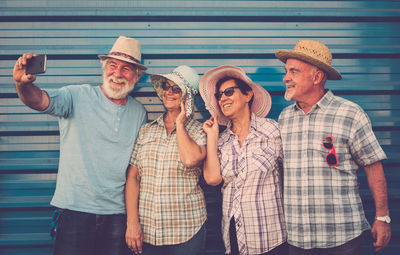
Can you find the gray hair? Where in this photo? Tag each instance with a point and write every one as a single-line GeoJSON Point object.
{"type": "Point", "coordinates": [105, 61]}
{"type": "Point", "coordinates": [316, 69]}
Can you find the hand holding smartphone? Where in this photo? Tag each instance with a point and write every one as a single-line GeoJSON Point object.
{"type": "Point", "coordinates": [36, 65]}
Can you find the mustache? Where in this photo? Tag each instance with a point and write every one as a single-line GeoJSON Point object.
{"type": "Point", "coordinates": [117, 80]}
{"type": "Point", "coordinates": [290, 83]}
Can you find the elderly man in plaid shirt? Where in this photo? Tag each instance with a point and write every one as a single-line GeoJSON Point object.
{"type": "Point", "coordinates": [325, 141]}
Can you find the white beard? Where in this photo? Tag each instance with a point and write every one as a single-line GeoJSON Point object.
{"type": "Point", "coordinates": [117, 92]}
{"type": "Point", "coordinates": [289, 95]}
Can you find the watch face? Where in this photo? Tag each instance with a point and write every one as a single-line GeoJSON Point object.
{"type": "Point", "coordinates": [387, 219]}
{"type": "Point", "coordinates": [384, 219]}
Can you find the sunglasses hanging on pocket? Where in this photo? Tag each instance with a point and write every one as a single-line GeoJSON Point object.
{"type": "Point", "coordinates": [331, 158]}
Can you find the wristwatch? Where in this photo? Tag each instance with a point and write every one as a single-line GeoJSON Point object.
{"type": "Point", "coordinates": [385, 219]}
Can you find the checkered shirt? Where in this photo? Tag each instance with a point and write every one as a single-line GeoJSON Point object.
{"type": "Point", "coordinates": [252, 189]}
{"type": "Point", "coordinates": [323, 207]}
{"type": "Point", "coordinates": [172, 207]}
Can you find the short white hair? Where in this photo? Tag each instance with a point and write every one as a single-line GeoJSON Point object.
{"type": "Point", "coordinates": [316, 69]}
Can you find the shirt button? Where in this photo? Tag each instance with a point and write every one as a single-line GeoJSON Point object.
{"type": "Point", "coordinates": [116, 129]}
{"type": "Point", "coordinates": [118, 118]}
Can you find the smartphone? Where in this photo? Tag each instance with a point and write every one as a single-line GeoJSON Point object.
{"type": "Point", "coordinates": [36, 65]}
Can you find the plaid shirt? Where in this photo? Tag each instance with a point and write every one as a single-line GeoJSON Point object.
{"type": "Point", "coordinates": [172, 208]}
{"type": "Point", "coordinates": [322, 204]}
{"type": "Point", "coordinates": [252, 191]}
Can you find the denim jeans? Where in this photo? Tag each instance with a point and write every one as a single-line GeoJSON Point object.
{"type": "Point", "coordinates": [352, 247]}
{"type": "Point", "coordinates": [80, 233]}
{"type": "Point", "coordinates": [191, 247]}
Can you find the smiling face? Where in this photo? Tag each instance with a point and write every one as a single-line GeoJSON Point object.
{"type": "Point", "coordinates": [171, 98]}
{"type": "Point", "coordinates": [119, 78]}
{"type": "Point", "coordinates": [235, 105]}
{"type": "Point", "coordinates": [299, 80]}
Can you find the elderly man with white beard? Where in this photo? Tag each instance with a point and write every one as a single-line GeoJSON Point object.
{"type": "Point", "coordinates": [98, 128]}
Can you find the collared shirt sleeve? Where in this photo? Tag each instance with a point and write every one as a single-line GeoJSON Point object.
{"type": "Point", "coordinates": [364, 146]}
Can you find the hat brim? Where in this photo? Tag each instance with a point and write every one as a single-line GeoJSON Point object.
{"type": "Point", "coordinates": [284, 55]}
{"type": "Point", "coordinates": [158, 79]}
{"type": "Point", "coordinates": [103, 57]}
{"type": "Point", "coordinates": [262, 99]}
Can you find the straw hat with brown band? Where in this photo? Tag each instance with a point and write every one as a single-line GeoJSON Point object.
{"type": "Point", "coordinates": [314, 53]}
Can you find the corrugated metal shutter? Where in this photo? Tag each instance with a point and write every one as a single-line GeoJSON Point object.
{"type": "Point", "coordinates": [363, 35]}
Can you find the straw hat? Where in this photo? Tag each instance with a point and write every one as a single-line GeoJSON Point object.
{"type": "Point", "coordinates": [207, 87]}
{"type": "Point", "coordinates": [186, 78]}
{"type": "Point", "coordinates": [314, 53]}
{"type": "Point", "coordinates": [126, 49]}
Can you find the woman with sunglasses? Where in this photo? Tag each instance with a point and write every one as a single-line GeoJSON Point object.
{"type": "Point", "coordinates": [165, 205]}
{"type": "Point", "coordinates": [247, 158]}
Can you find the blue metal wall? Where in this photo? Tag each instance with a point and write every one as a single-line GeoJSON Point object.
{"type": "Point", "coordinates": [363, 35]}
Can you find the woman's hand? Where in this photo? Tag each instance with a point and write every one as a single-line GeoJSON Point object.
{"type": "Point", "coordinates": [211, 166]}
{"type": "Point", "coordinates": [211, 127]}
{"type": "Point", "coordinates": [134, 237]}
{"type": "Point", "coordinates": [181, 119]}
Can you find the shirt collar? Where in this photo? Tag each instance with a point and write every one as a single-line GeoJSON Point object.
{"type": "Point", "coordinates": [253, 122]}
{"type": "Point", "coordinates": [160, 121]}
{"type": "Point", "coordinates": [323, 103]}
{"type": "Point", "coordinates": [228, 133]}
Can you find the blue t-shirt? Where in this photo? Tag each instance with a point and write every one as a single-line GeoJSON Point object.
{"type": "Point", "coordinates": [96, 142]}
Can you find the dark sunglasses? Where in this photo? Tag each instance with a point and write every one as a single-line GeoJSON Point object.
{"type": "Point", "coordinates": [175, 89]}
{"type": "Point", "coordinates": [227, 92]}
{"type": "Point", "coordinates": [331, 158]}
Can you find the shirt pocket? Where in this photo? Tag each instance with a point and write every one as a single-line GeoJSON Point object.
{"type": "Point", "coordinates": [263, 159]}
{"type": "Point", "coordinates": [228, 164]}
{"type": "Point", "coordinates": [340, 144]}
{"type": "Point", "coordinates": [147, 151]}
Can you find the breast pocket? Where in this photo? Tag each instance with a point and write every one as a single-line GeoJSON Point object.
{"type": "Point", "coordinates": [147, 151]}
{"type": "Point", "coordinates": [228, 163]}
{"type": "Point", "coordinates": [339, 152]}
{"type": "Point", "coordinates": [264, 159]}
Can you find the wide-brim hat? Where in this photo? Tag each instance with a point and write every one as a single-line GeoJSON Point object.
{"type": "Point", "coordinates": [314, 53]}
{"type": "Point", "coordinates": [185, 77]}
{"type": "Point", "coordinates": [262, 99]}
{"type": "Point", "coordinates": [126, 49]}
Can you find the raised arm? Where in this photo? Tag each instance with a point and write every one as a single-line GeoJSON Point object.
{"type": "Point", "coordinates": [377, 184]}
{"type": "Point", "coordinates": [191, 154]}
{"type": "Point", "coordinates": [211, 167]}
{"type": "Point", "coordinates": [30, 94]}
{"type": "Point", "coordinates": [134, 234]}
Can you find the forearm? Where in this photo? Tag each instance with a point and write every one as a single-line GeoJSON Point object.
{"type": "Point", "coordinates": [191, 154]}
{"type": "Point", "coordinates": [132, 189]}
{"type": "Point", "coordinates": [32, 96]}
{"type": "Point", "coordinates": [377, 184]}
{"type": "Point", "coordinates": [211, 167]}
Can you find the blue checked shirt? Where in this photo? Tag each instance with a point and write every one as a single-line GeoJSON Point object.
{"type": "Point", "coordinates": [252, 191]}
{"type": "Point", "coordinates": [323, 207]}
